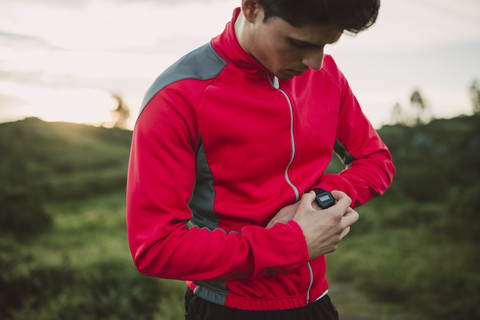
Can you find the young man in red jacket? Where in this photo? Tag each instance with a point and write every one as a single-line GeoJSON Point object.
{"type": "Point", "coordinates": [235, 138]}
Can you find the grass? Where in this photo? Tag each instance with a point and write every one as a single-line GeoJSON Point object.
{"type": "Point", "coordinates": [413, 253]}
{"type": "Point", "coordinates": [82, 269]}
{"type": "Point", "coordinates": [352, 304]}
{"type": "Point", "coordinates": [423, 270]}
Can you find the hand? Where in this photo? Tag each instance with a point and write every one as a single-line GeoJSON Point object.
{"type": "Point", "coordinates": [285, 215]}
{"type": "Point", "coordinates": [324, 230]}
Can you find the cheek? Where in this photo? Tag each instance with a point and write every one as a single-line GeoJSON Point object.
{"type": "Point", "coordinates": [287, 58]}
{"type": "Point", "coordinates": [275, 56]}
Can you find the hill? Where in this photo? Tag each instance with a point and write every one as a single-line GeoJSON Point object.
{"type": "Point", "coordinates": [63, 160]}
{"type": "Point", "coordinates": [416, 246]}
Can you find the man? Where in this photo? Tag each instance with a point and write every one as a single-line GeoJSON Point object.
{"type": "Point", "coordinates": [235, 138]}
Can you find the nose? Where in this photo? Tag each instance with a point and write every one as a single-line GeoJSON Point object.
{"type": "Point", "coordinates": [314, 59]}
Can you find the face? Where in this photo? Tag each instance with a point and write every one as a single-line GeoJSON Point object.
{"type": "Point", "coordinates": [289, 51]}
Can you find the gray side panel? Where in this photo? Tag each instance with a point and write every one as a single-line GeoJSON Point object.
{"type": "Point", "coordinates": [342, 152]}
{"type": "Point", "coordinates": [203, 216]}
{"type": "Point", "coordinates": [212, 291]}
{"type": "Point", "coordinates": [201, 203]}
{"type": "Point", "coordinates": [201, 64]}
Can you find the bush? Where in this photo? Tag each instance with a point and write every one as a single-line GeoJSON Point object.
{"type": "Point", "coordinates": [22, 213]}
{"type": "Point", "coordinates": [422, 183]}
{"type": "Point", "coordinates": [104, 290]}
{"type": "Point", "coordinates": [465, 208]}
{"type": "Point", "coordinates": [82, 185]}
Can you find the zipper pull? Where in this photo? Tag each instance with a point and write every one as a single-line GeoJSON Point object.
{"type": "Point", "coordinates": [276, 85]}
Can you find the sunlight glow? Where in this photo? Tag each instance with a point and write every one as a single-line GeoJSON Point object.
{"type": "Point", "coordinates": [83, 55]}
{"type": "Point", "coordinates": [62, 104]}
{"type": "Point", "coordinates": [62, 61]}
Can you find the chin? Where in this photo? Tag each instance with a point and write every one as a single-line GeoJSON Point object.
{"type": "Point", "coordinates": [285, 77]}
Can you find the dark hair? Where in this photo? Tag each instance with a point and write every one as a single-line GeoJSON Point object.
{"type": "Point", "coordinates": [350, 15]}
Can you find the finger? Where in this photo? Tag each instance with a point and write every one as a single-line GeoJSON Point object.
{"type": "Point", "coordinates": [270, 225]}
{"type": "Point", "coordinates": [338, 194]}
{"type": "Point", "coordinates": [348, 210]}
{"type": "Point", "coordinates": [277, 218]}
{"type": "Point", "coordinates": [342, 199]}
{"type": "Point", "coordinates": [307, 199]}
{"type": "Point", "coordinates": [316, 206]}
{"type": "Point", "coordinates": [350, 218]}
{"type": "Point", "coordinates": [344, 232]}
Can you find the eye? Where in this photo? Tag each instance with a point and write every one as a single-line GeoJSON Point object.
{"type": "Point", "coordinates": [299, 44]}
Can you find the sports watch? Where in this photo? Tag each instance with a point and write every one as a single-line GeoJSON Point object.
{"type": "Point", "coordinates": [324, 198]}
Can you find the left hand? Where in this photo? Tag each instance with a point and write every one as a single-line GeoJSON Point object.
{"type": "Point", "coordinates": [285, 215]}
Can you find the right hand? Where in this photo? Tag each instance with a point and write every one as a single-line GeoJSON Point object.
{"type": "Point", "coordinates": [324, 229]}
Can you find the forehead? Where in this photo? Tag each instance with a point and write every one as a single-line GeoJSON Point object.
{"type": "Point", "coordinates": [316, 34]}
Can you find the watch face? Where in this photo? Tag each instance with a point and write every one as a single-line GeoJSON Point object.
{"type": "Point", "coordinates": [325, 200]}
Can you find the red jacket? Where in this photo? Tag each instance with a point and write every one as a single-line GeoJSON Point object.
{"type": "Point", "coordinates": [221, 143]}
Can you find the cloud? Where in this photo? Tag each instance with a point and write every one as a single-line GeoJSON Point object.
{"type": "Point", "coordinates": [23, 41]}
{"type": "Point", "coordinates": [122, 45]}
{"type": "Point", "coordinates": [83, 3]}
{"type": "Point", "coordinates": [116, 24]}
{"type": "Point", "coordinates": [411, 24]}
{"type": "Point", "coordinates": [74, 4]}
{"type": "Point", "coordinates": [25, 77]}
{"type": "Point", "coordinates": [168, 2]}
{"type": "Point", "coordinates": [7, 101]}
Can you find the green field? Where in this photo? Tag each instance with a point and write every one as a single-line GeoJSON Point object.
{"type": "Point", "coordinates": [80, 268]}
{"type": "Point", "coordinates": [64, 252]}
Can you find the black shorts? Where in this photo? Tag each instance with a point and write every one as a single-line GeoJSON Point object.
{"type": "Point", "coordinates": [197, 308]}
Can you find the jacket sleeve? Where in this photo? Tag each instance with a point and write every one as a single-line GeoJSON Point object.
{"type": "Point", "coordinates": [161, 179]}
{"type": "Point", "coordinates": [370, 167]}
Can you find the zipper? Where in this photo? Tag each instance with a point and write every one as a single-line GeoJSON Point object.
{"type": "Point", "coordinates": [276, 85]}
{"type": "Point", "coordinates": [311, 282]}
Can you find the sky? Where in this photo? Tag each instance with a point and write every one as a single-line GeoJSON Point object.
{"type": "Point", "coordinates": [61, 60]}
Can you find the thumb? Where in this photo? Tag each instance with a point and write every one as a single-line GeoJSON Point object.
{"type": "Point", "coordinates": [307, 200]}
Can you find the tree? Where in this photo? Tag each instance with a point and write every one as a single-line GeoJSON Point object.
{"type": "Point", "coordinates": [121, 113]}
{"type": "Point", "coordinates": [421, 112]}
{"type": "Point", "coordinates": [475, 96]}
{"type": "Point", "coordinates": [398, 115]}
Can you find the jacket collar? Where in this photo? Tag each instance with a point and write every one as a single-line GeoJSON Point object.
{"type": "Point", "coordinates": [227, 46]}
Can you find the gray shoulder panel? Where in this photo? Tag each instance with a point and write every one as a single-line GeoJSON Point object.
{"type": "Point", "coordinates": [201, 64]}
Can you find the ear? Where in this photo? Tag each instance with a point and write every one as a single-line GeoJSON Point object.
{"type": "Point", "coordinates": [251, 9]}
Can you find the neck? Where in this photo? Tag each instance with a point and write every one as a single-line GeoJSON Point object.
{"type": "Point", "coordinates": [241, 31]}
